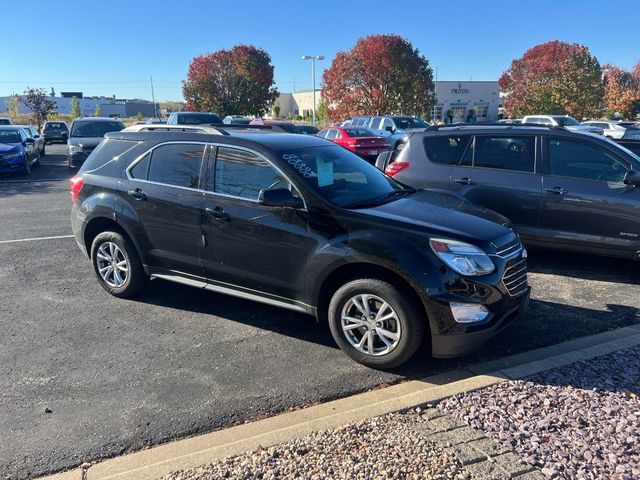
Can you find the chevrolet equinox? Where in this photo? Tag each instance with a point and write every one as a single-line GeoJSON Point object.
{"type": "Point", "coordinates": [301, 223]}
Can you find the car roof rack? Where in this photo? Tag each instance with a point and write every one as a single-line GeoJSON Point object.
{"type": "Point", "coordinates": [204, 128]}
{"type": "Point", "coordinates": [453, 126]}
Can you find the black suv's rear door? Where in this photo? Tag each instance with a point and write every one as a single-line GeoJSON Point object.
{"type": "Point", "coordinates": [164, 189]}
{"type": "Point", "coordinates": [585, 198]}
{"type": "Point", "coordinates": [249, 245]}
{"type": "Point", "coordinates": [500, 172]}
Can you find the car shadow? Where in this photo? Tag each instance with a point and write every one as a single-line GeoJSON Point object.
{"type": "Point", "coordinates": [545, 324]}
{"type": "Point", "coordinates": [584, 266]}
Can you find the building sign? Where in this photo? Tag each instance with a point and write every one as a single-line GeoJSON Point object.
{"type": "Point", "coordinates": [460, 90]}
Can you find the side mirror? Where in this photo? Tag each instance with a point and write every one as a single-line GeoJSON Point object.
{"type": "Point", "coordinates": [632, 178]}
{"type": "Point", "coordinates": [29, 140]}
{"type": "Point", "coordinates": [390, 129]}
{"type": "Point", "coordinates": [279, 197]}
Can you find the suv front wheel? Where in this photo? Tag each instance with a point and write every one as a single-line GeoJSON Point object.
{"type": "Point", "coordinates": [373, 323]}
{"type": "Point", "coordinates": [117, 265]}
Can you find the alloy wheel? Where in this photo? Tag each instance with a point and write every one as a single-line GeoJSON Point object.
{"type": "Point", "coordinates": [370, 324]}
{"type": "Point", "coordinates": [112, 264]}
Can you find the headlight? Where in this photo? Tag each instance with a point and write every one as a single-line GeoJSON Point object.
{"type": "Point", "coordinates": [75, 149]}
{"type": "Point", "coordinates": [10, 156]}
{"type": "Point", "coordinates": [462, 257]}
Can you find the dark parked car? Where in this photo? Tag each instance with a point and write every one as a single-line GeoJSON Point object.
{"type": "Point", "coordinates": [193, 118]}
{"type": "Point", "coordinates": [5, 121]}
{"type": "Point", "coordinates": [86, 134]}
{"type": "Point", "coordinates": [55, 132]}
{"type": "Point", "coordinates": [296, 222]}
{"type": "Point", "coordinates": [633, 145]}
{"type": "Point", "coordinates": [276, 125]}
{"type": "Point", "coordinates": [307, 129]}
{"type": "Point", "coordinates": [18, 152]}
{"type": "Point", "coordinates": [561, 189]}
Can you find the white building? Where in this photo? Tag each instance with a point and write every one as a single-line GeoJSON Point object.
{"type": "Point", "coordinates": [456, 98]}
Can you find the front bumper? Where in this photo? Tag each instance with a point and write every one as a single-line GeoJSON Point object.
{"type": "Point", "coordinates": [457, 344]}
{"type": "Point", "coordinates": [13, 165]}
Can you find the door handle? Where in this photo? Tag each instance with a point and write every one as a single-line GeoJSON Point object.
{"type": "Point", "coordinates": [138, 194]}
{"type": "Point", "coordinates": [463, 181]}
{"type": "Point", "coordinates": [556, 190]}
{"type": "Point", "coordinates": [217, 213]}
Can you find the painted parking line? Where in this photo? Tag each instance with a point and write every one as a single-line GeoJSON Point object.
{"type": "Point", "coordinates": [35, 239]}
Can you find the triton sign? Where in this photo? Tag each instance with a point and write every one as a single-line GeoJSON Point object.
{"type": "Point", "coordinates": [460, 90]}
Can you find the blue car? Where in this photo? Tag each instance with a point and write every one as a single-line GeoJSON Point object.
{"type": "Point", "coordinates": [18, 151]}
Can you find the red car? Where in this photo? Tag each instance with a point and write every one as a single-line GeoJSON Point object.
{"type": "Point", "coordinates": [361, 141]}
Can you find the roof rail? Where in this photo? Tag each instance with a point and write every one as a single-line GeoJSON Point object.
{"type": "Point", "coordinates": [210, 129]}
{"type": "Point", "coordinates": [492, 124]}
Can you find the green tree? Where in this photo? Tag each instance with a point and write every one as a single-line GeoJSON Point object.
{"type": "Point", "coordinates": [37, 101]}
{"type": "Point", "coordinates": [75, 108]}
{"type": "Point", "coordinates": [98, 112]}
{"type": "Point", "coordinates": [236, 81]}
{"type": "Point", "coordinates": [554, 78]}
{"type": "Point", "coordinates": [13, 105]}
{"type": "Point", "coordinates": [276, 110]}
{"type": "Point", "coordinates": [321, 115]}
{"type": "Point", "coordinates": [139, 116]}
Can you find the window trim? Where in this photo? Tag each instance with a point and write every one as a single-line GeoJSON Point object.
{"type": "Point", "coordinates": [547, 159]}
{"type": "Point", "coordinates": [472, 145]}
{"type": "Point", "coordinates": [150, 151]}
{"type": "Point", "coordinates": [258, 154]}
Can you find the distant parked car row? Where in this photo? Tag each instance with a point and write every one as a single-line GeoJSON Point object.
{"type": "Point", "coordinates": [19, 149]}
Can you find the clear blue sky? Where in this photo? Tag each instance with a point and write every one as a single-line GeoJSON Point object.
{"type": "Point", "coordinates": [111, 47]}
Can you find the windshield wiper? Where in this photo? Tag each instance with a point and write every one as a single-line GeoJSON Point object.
{"type": "Point", "coordinates": [379, 201]}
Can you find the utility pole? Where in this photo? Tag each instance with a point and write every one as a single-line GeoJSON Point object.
{"type": "Point", "coordinates": [153, 99]}
{"type": "Point", "coordinates": [313, 59]}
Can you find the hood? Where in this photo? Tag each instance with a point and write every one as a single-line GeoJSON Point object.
{"type": "Point", "coordinates": [584, 128]}
{"type": "Point", "coordinates": [7, 147]}
{"type": "Point", "coordinates": [84, 141]}
{"type": "Point", "coordinates": [444, 214]}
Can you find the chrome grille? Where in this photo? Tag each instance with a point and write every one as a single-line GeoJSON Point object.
{"type": "Point", "coordinates": [515, 277]}
{"type": "Point", "coordinates": [510, 248]}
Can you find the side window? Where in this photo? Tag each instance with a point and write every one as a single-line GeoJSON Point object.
{"type": "Point", "coordinates": [243, 174]}
{"type": "Point", "coordinates": [338, 134]}
{"type": "Point", "coordinates": [323, 134]}
{"type": "Point", "coordinates": [23, 134]}
{"type": "Point", "coordinates": [141, 169]}
{"type": "Point", "coordinates": [387, 122]}
{"type": "Point", "coordinates": [446, 150]}
{"type": "Point", "coordinates": [176, 164]}
{"type": "Point", "coordinates": [575, 159]}
{"type": "Point", "coordinates": [333, 133]}
{"type": "Point", "coordinates": [506, 153]}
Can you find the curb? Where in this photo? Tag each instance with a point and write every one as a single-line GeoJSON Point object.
{"type": "Point", "coordinates": [196, 451]}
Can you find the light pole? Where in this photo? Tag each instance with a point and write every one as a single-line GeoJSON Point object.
{"type": "Point", "coordinates": [313, 59]}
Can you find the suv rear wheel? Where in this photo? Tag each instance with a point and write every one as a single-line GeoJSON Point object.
{"type": "Point", "coordinates": [117, 265]}
{"type": "Point", "coordinates": [373, 323]}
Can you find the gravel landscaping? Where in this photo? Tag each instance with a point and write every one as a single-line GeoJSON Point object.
{"type": "Point", "coordinates": [385, 447]}
{"type": "Point", "coordinates": [581, 421]}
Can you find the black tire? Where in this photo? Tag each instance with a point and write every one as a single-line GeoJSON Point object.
{"type": "Point", "coordinates": [44, 150]}
{"type": "Point", "coordinates": [136, 278]}
{"type": "Point", "coordinates": [410, 315]}
{"type": "Point", "coordinates": [27, 166]}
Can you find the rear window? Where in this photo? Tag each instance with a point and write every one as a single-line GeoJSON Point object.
{"type": "Point", "coordinates": [177, 164]}
{"type": "Point", "coordinates": [446, 150]}
{"type": "Point", "coordinates": [55, 126]}
{"type": "Point", "coordinates": [107, 151]}
{"type": "Point", "coordinates": [88, 128]}
{"type": "Point", "coordinates": [198, 118]}
{"type": "Point", "coordinates": [505, 153]}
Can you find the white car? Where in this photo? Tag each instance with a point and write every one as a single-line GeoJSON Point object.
{"type": "Point", "coordinates": [5, 121]}
{"type": "Point", "coordinates": [565, 121]}
{"type": "Point", "coordinates": [616, 129]}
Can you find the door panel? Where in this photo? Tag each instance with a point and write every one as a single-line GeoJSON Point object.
{"type": "Point", "coordinates": [261, 248]}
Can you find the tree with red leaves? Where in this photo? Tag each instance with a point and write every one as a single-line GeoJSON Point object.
{"type": "Point", "coordinates": [381, 74]}
{"type": "Point", "coordinates": [554, 78]}
{"type": "Point", "coordinates": [621, 91]}
{"type": "Point", "coordinates": [227, 82]}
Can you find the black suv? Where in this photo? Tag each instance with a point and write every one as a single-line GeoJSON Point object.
{"type": "Point", "coordinates": [561, 189]}
{"type": "Point", "coordinates": [301, 223]}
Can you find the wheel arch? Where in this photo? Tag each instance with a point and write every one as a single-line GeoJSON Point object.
{"type": "Point", "coordinates": [97, 225]}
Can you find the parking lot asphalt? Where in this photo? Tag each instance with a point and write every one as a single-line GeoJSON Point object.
{"type": "Point", "coordinates": [84, 375]}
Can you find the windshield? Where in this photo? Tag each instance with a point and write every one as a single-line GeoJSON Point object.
{"type": "Point", "coordinates": [635, 155]}
{"type": "Point", "coordinates": [567, 121]}
{"type": "Point", "coordinates": [5, 121]}
{"type": "Point", "coordinates": [10, 136]}
{"type": "Point", "coordinates": [342, 177]}
{"type": "Point", "coordinates": [409, 122]}
{"type": "Point", "coordinates": [198, 118]}
{"type": "Point", "coordinates": [359, 132]}
{"type": "Point", "coordinates": [94, 129]}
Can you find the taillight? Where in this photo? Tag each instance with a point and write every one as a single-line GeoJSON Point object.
{"type": "Point", "coordinates": [396, 167]}
{"type": "Point", "coordinates": [350, 143]}
{"type": "Point", "coordinates": [76, 184]}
